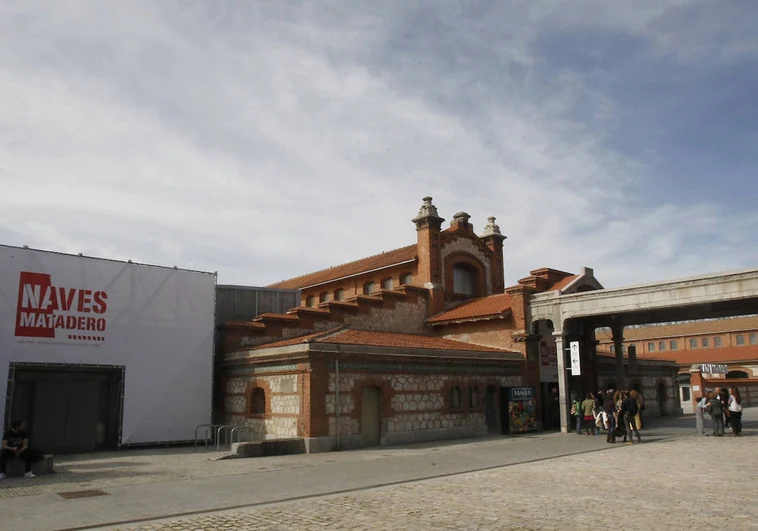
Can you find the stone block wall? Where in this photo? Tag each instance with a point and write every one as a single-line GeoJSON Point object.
{"type": "Point", "coordinates": [283, 405]}
{"type": "Point", "coordinates": [649, 386]}
{"type": "Point", "coordinates": [411, 402]}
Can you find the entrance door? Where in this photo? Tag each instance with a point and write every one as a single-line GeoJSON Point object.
{"type": "Point", "coordinates": [490, 409]}
{"type": "Point", "coordinates": [685, 396]}
{"type": "Point", "coordinates": [661, 392]}
{"type": "Point", "coordinates": [371, 416]}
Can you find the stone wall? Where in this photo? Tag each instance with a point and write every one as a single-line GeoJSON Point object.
{"type": "Point", "coordinates": [649, 387]}
{"type": "Point", "coordinates": [283, 405]}
{"type": "Point", "coordinates": [411, 402]}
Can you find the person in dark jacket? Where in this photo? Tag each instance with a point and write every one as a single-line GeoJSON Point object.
{"type": "Point", "coordinates": [609, 408]}
{"type": "Point", "coordinates": [629, 410]}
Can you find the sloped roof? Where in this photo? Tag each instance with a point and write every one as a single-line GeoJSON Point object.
{"type": "Point", "coordinates": [491, 306]}
{"type": "Point", "coordinates": [370, 263]}
{"type": "Point", "coordinates": [383, 339]}
{"type": "Point", "coordinates": [716, 326]}
{"type": "Point", "coordinates": [710, 355]}
{"type": "Point", "coordinates": [562, 283]}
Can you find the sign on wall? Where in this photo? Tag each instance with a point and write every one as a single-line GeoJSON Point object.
{"type": "Point", "coordinates": [713, 368]}
{"type": "Point", "coordinates": [548, 362]}
{"type": "Point", "coordinates": [576, 364]}
{"type": "Point", "coordinates": [157, 322]}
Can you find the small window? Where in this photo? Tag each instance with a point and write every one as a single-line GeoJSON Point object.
{"type": "Point", "coordinates": [455, 398]}
{"type": "Point", "coordinates": [623, 349]}
{"type": "Point", "coordinates": [737, 374]}
{"type": "Point", "coordinates": [705, 342]}
{"type": "Point", "coordinates": [464, 280]}
{"type": "Point", "coordinates": [473, 397]}
{"type": "Point", "coordinates": [673, 345]}
{"type": "Point", "coordinates": [406, 278]}
{"type": "Point", "coordinates": [686, 394]}
{"type": "Point", "coordinates": [368, 288]}
{"type": "Point", "coordinates": [661, 345]}
{"type": "Point", "coordinates": [754, 339]}
{"type": "Point", "coordinates": [310, 302]}
{"type": "Point", "coordinates": [740, 339]}
{"type": "Point", "coordinates": [258, 401]}
{"type": "Point", "coordinates": [323, 297]}
{"type": "Point", "coordinates": [339, 295]}
{"type": "Point", "coordinates": [717, 341]}
{"type": "Point", "coordinates": [613, 347]}
{"type": "Point", "coordinates": [651, 347]}
{"type": "Point", "coordinates": [387, 283]}
{"type": "Point", "coordinates": [693, 343]}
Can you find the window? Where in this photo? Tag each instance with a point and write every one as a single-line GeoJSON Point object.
{"type": "Point", "coordinates": [339, 295]}
{"type": "Point", "coordinates": [651, 347]}
{"type": "Point", "coordinates": [661, 345]}
{"type": "Point", "coordinates": [737, 374]}
{"type": "Point", "coordinates": [754, 339]}
{"type": "Point", "coordinates": [673, 345]}
{"type": "Point", "coordinates": [387, 283]}
{"type": "Point", "coordinates": [455, 397]}
{"type": "Point", "coordinates": [310, 302]}
{"type": "Point", "coordinates": [716, 341]}
{"type": "Point", "coordinates": [623, 349]}
{"type": "Point", "coordinates": [740, 339]}
{"type": "Point", "coordinates": [693, 343]}
{"type": "Point", "coordinates": [406, 278]}
{"type": "Point", "coordinates": [613, 347]}
{"type": "Point", "coordinates": [368, 288]}
{"type": "Point", "coordinates": [686, 394]}
{"type": "Point", "coordinates": [463, 280]}
{"type": "Point", "coordinates": [473, 397]}
{"type": "Point", "coordinates": [258, 401]}
{"type": "Point", "coordinates": [323, 297]}
{"type": "Point", "coordinates": [705, 342]}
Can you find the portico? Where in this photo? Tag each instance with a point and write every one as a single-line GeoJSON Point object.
{"type": "Point", "coordinates": [575, 313]}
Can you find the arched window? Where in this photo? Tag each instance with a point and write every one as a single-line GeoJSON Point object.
{"type": "Point", "coordinates": [310, 301]}
{"type": "Point", "coordinates": [387, 283]}
{"type": "Point", "coordinates": [673, 345]}
{"type": "Point", "coordinates": [258, 401]}
{"type": "Point", "coordinates": [464, 280]}
{"type": "Point", "coordinates": [651, 347]}
{"type": "Point", "coordinates": [406, 278]}
{"type": "Point", "coordinates": [339, 295]}
{"type": "Point", "coordinates": [661, 345]}
{"type": "Point", "coordinates": [368, 288]}
{"type": "Point", "coordinates": [737, 374]}
{"type": "Point", "coordinates": [455, 397]}
{"type": "Point", "coordinates": [740, 339]}
{"type": "Point", "coordinates": [323, 297]}
{"type": "Point", "coordinates": [705, 342]}
{"type": "Point", "coordinates": [473, 397]}
{"type": "Point", "coordinates": [693, 343]}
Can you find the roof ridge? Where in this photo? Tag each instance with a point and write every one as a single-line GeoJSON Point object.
{"type": "Point", "coordinates": [352, 262]}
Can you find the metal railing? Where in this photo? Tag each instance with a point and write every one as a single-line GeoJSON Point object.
{"type": "Point", "coordinates": [238, 430]}
{"type": "Point", "coordinates": [228, 430]}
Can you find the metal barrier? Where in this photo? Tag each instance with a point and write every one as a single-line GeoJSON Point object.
{"type": "Point", "coordinates": [241, 429]}
{"type": "Point", "coordinates": [208, 431]}
{"type": "Point", "coordinates": [226, 428]}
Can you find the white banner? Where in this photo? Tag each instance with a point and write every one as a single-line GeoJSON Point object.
{"type": "Point", "coordinates": [156, 322]}
{"type": "Point", "coordinates": [576, 364]}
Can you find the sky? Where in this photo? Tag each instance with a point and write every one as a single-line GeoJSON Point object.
{"type": "Point", "coordinates": [269, 139]}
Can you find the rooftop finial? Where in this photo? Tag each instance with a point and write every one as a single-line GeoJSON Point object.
{"type": "Point", "coordinates": [427, 209]}
{"type": "Point", "coordinates": [491, 227]}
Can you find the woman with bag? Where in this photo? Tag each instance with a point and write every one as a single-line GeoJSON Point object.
{"type": "Point", "coordinates": [716, 411]}
{"type": "Point", "coordinates": [735, 411]}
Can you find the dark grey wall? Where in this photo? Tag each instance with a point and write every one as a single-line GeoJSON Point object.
{"type": "Point", "coordinates": [243, 303]}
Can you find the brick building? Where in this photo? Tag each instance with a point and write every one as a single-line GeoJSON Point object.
{"type": "Point", "coordinates": [414, 344]}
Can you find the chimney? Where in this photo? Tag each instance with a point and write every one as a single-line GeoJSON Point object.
{"type": "Point", "coordinates": [428, 228]}
{"type": "Point", "coordinates": [493, 239]}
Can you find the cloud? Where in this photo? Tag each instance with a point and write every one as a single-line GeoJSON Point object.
{"type": "Point", "coordinates": [266, 140]}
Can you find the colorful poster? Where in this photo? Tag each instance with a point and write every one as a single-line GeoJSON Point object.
{"type": "Point", "coordinates": [522, 409]}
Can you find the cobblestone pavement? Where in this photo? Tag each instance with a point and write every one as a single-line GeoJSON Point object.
{"type": "Point", "coordinates": [647, 486]}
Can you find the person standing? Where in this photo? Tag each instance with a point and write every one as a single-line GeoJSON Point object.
{"type": "Point", "coordinates": [629, 409]}
{"type": "Point", "coordinates": [578, 412]}
{"type": "Point", "coordinates": [735, 411]}
{"type": "Point", "coordinates": [716, 411]}
{"type": "Point", "coordinates": [16, 444]}
{"type": "Point", "coordinates": [609, 408]}
{"type": "Point", "coordinates": [700, 415]}
{"type": "Point", "coordinates": [724, 397]}
{"type": "Point", "coordinates": [588, 408]}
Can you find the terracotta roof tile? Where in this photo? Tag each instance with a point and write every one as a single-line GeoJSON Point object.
{"type": "Point", "coordinates": [716, 326]}
{"type": "Point", "coordinates": [711, 355]}
{"type": "Point", "coordinates": [491, 306]}
{"type": "Point", "coordinates": [370, 263]}
{"type": "Point", "coordinates": [562, 283]}
{"type": "Point", "coordinates": [383, 339]}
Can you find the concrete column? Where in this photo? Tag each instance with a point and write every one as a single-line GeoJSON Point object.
{"type": "Point", "coordinates": [618, 348]}
{"type": "Point", "coordinates": [563, 383]}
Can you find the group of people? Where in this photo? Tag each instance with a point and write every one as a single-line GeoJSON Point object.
{"type": "Point", "coordinates": [724, 407]}
{"type": "Point", "coordinates": [618, 413]}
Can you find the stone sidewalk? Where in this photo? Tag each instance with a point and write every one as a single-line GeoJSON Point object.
{"type": "Point", "coordinates": [647, 486]}
{"type": "Point", "coordinates": [148, 484]}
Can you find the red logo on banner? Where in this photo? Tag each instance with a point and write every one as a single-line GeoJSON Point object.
{"type": "Point", "coordinates": [43, 308]}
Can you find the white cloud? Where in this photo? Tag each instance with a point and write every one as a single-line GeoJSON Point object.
{"type": "Point", "coordinates": [267, 140]}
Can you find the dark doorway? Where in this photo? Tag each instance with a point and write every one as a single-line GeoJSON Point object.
{"type": "Point", "coordinates": [68, 409]}
{"type": "Point", "coordinates": [490, 409]}
{"type": "Point", "coordinates": [661, 392]}
{"type": "Point", "coordinates": [371, 416]}
{"type": "Point", "coordinates": [505, 421]}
